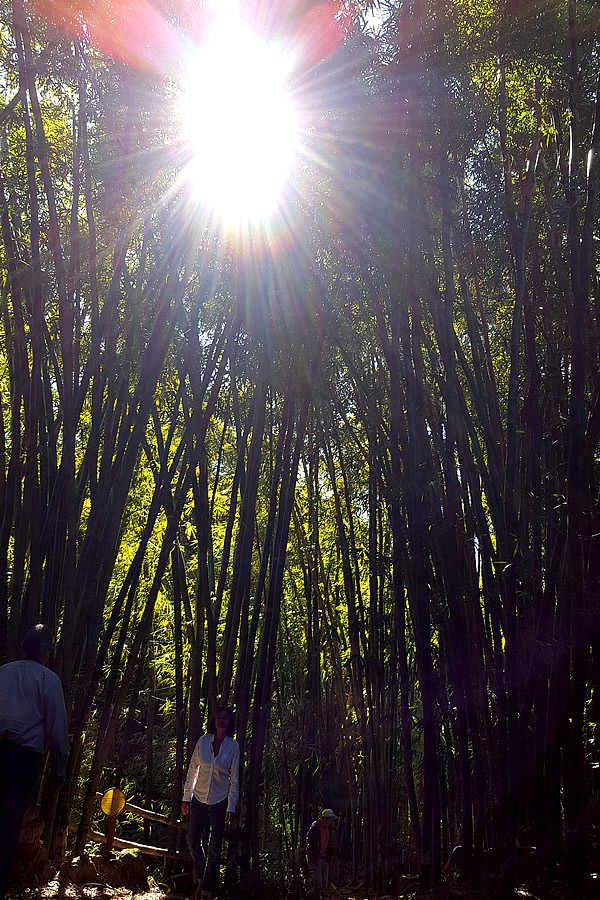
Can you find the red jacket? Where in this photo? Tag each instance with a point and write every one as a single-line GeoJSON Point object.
{"type": "Point", "coordinates": [314, 842]}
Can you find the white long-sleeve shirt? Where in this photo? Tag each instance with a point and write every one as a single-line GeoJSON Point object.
{"type": "Point", "coordinates": [32, 709]}
{"type": "Point", "coordinates": [211, 778]}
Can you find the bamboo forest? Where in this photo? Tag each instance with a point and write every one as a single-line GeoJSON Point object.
{"type": "Point", "coordinates": [300, 383]}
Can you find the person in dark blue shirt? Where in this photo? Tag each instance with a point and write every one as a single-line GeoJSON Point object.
{"type": "Point", "coordinates": [32, 716]}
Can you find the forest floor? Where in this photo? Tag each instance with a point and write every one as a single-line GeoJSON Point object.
{"type": "Point", "coordinates": [549, 891]}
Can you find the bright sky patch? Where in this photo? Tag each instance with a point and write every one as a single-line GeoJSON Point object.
{"type": "Point", "coordinates": [238, 122]}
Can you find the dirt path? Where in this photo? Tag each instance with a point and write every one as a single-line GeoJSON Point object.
{"type": "Point", "coordinates": [105, 892]}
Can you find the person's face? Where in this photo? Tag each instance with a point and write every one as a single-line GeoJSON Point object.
{"type": "Point", "coordinates": [222, 720]}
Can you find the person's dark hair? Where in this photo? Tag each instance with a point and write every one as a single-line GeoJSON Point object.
{"type": "Point", "coordinates": [37, 642]}
{"type": "Point", "coordinates": [212, 728]}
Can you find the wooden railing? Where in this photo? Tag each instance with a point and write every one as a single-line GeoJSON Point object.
{"type": "Point", "coordinates": [132, 845]}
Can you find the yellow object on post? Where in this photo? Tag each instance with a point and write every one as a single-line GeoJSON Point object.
{"type": "Point", "coordinates": [112, 804]}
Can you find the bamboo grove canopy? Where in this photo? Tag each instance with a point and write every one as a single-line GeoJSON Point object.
{"type": "Point", "coordinates": [338, 468]}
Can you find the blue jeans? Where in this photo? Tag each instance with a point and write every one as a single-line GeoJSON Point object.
{"type": "Point", "coordinates": [18, 774]}
{"type": "Point", "coordinates": [205, 836]}
{"type": "Point", "coordinates": [320, 871]}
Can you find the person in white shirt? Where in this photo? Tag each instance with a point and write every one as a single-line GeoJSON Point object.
{"type": "Point", "coordinates": [210, 796]}
{"type": "Point", "coordinates": [32, 716]}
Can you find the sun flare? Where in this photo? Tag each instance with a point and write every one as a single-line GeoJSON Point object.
{"type": "Point", "coordinates": [239, 124]}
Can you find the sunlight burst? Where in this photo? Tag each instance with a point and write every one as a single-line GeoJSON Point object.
{"type": "Point", "coordinates": [239, 123]}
